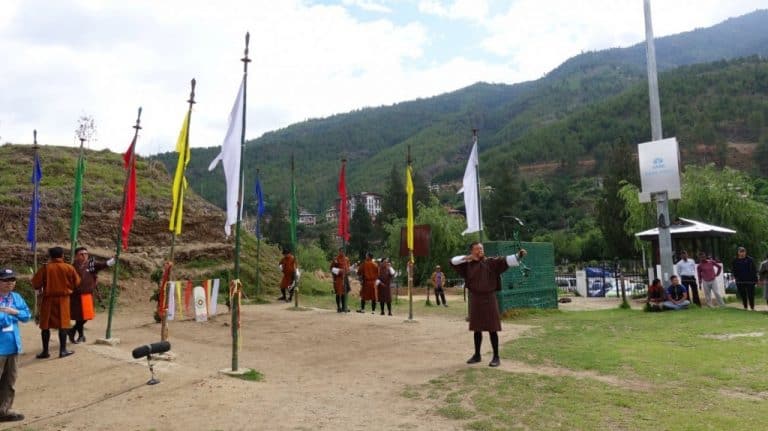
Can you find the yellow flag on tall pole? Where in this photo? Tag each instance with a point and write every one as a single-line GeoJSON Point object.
{"type": "Point", "coordinates": [409, 192]}
{"type": "Point", "coordinates": [179, 181]}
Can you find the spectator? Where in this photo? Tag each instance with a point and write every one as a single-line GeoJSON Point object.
{"type": "Point", "coordinates": [13, 310]}
{"type": "Point", "coordinates": [677, 295]}
{"type": "Point", "coordinates": [656, 296]}
{"type": "Point", "coordinates": [745, 273]}
{"type": "Point", "coordinates": [708, 271]}
{"type": "Point", "coordinates": [763, 275]}
{"type": "Point", "coordinates": [686, 269]}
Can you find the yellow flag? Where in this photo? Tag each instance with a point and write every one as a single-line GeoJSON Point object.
{"type": "Point", "coordinates": [409, 192]}
{"type": "Point", "coordinates": [179, 182]}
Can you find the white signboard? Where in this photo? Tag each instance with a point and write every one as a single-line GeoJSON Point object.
{"type": "Point", "coordinates": [659, 168]}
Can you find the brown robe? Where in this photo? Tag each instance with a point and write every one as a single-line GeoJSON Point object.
{"type": "Point", "coordinates": [369, 272]}
{"type": "Point", "coordinates": [289, 270]}
{"type": "Point", "coordinates": [341, 262]}
{"type": "Point", "coordinates": [482, 280]}
{"type": "Point", "coordinates": [58, 280]}
{"type": "Point", "coordinates": [87, 271]}
{"type": "Point", "coordinates": [385, 288]}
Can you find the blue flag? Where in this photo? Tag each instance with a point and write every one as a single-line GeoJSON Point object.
{"type": "Point", "coordinates": [37, 175]}
{"type": "Point", "coordinates": [260, 209]}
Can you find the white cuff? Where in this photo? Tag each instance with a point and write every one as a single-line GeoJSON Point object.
{"type": "Point", "coordinates": [335, 271]}
{"type": "Point", "coordinates": [512, 260]}
{"type": "Point", "coordinates": [391, 271]}
{"type": "Point", "coordinates": [281, 267]}
{"type": "Point", "coordinates": [457, 260]}
{"type": "Point", "coordinates": [111, 262]}
{"type": "Point", "coordinates": [378, 282]}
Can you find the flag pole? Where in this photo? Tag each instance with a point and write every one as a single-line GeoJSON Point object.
{"type": "Point", "coordinates": [346, 228]}
{"type": "Point", "coordinates": [258, 237]}
{"type": "Point", "coordinates": [477, 182]}
{"type": "Point", "coordinates": [410, 249]}
{"type": "Point", "coordinates": [235, 303]}
{"type": "Point", "coordinates": [78, 190]}
{"type": "Point", "coordinates": [35, 199]}
{"type": "Point", "coordinates": [118, 245]}
{"type": "Point", "coordinates": [294, 220]}
{"type": "Point", "coordinates": [162, 297]}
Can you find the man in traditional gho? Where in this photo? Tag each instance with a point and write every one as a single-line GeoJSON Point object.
{"type": "Point", "coordinates": [288, 267]}
{"type": "Point", "coordinates": [482, 277]}
{"type": "Point", "coordinates": [340, 269]}
{"type": "Point", "coordinates": [369, 273]}
{"type": "Point", "coordinates": [55, 282]}
{"type": "Point", "coordinates": [383, 285]}
{"type": "Point", "coordinates": [81, 302]}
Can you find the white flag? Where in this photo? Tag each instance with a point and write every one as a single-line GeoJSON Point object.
{"type": "Point", "coordinates": [230, 160]}
{"type": "Point", "coordinates": [471, 199]}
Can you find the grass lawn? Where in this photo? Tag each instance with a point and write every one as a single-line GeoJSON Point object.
{"type": "Point", "coordinates": [689, 370]}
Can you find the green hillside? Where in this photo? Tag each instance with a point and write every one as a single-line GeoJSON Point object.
{"type": "Point", "coordinates": [438, 129]}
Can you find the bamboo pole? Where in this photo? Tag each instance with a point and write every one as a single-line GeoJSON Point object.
{"type": "Point", "coordinates": [118, 245]}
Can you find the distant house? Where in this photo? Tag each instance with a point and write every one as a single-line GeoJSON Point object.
{"type": "Point", "coordinates": [372, 202]}
{"type": "Point", "coordinates": [307, 218]}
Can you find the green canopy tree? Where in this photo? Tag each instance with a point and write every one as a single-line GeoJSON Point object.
{"type": "Point", "coordinates": [360, 230]}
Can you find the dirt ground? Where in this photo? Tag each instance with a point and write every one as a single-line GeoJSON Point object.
{"type": "Point", "coordinates": [322, 371]}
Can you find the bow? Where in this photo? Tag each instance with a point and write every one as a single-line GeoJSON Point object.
{"type": "Point", "coordinates": [524, 269]}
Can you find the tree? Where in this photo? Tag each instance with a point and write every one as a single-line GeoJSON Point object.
{"type": "Point", "coordinates": [761, 155]}
{"type": "Point", "coordinates": [360, 230]}
{"type": "Point", "coordinates": [503, 204]}
{"type": "Point", "coordinates": [276, 230]}
{"type": "Point", "coordinates": [393, 202]}
{"type": "Point", "coordinates": [621, 168]}
{"type": "Point", "coordinates": [446, 240]}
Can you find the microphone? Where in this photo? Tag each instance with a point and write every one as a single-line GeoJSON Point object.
{"type": "Point", "coordinates": [149, 349]}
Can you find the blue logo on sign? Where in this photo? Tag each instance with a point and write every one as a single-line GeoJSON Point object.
{"type": "Point", "coordinates": [658, 163]}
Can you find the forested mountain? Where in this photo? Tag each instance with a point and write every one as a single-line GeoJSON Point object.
{"type": "Point", "coordinates": [562, 116]}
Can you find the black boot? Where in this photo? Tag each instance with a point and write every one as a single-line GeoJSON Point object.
{"type": "Point", "coordinates": [373, 307]}
{"type": "Point", "coordinates": [45, 334]}
{"type": "Point", "coordinates": [495, 345]}
{"type": "Point", "coordinates": [389, 308]}
{"type": "Point", "coordinates": [282, 295]}
{"type": "Point", "coordinates": [63, 352]}
{"type": "Point", "coordinates": [478, 338]}
{"type": "Point", "coordinates": [71, 334]}
{"type": "Point", "coordinates": [81, 331]}
{"type": "Point", "coordinates": [338, 304]}
{"type": "Point", "coordinates": [382, 308]}
{"type": "Point", "coordinates": [362, 306]}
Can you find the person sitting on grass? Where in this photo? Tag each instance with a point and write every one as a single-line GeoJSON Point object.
{"type": "Point", "coordinates": [656, 296]}
{"type": "Point", "coordinates": [677, 295]}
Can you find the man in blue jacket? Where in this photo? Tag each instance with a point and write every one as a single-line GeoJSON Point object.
{"type": "Point", "coordinates": [12, 310]}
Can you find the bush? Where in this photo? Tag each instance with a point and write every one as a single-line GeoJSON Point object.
{"type": "Point", "coordinates": [311, 258]}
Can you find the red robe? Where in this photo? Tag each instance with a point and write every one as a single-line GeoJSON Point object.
{"type": "Point", "coordinates": [342, 263]}
{"type": "Point", "coordinates": [369, 272]}
{"type": "Point", "coordinates": [58, 280]}
{"type": "Point", "coordinates": [385, 288]}
{"type": "Point", "coordinates": [288, 263]}
{"type": "Point", "coordinates": [482, 278]}
{"type": "Point", "coordinates": [87, 271]}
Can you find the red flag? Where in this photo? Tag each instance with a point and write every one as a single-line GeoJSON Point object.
{"type": "Point", "coordinates": [343, 206]}
{"type": "Point", "coordinates": [129, 158]}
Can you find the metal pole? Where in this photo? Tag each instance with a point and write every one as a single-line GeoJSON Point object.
{"type": "Point", "coordinates": [235, 304]}
{"type": "Point", "coordinates": [258, 240]}
{"type": "Point", "coordinates": [410, 250]}
{"type": "Point", "coordinates": [118, 246]}
{"type": "Point", "coordinates": [662, 208]}
{"type": "Point", "coordinates": [294, 244]}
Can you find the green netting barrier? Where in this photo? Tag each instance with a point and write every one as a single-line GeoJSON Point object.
{"type": "Point", "coordinates": [535, 288]}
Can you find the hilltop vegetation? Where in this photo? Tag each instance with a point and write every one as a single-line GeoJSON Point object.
{"type": "Point", "coordinates": [438, 129]}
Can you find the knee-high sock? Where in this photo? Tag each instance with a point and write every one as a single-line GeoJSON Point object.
{"type": "Point", "coordinates": [495, 343]}
{"type": "Point", "coordinates": [373, 305]}
{"type": "Point", "coordinates": [381, 303]}
{"type": "Point", "coordinates": [338, 302]}
{"type": "Point", "coordinates": [362, 304]}
{"type": "Point", "coordinates": [344, 302]}
{"type": "Point", "coordinates": [478, 342]}
{"type": "Point", "coordinates": [282, 293]}
{"type": "Point", "coordinates": [45, 334]}
{"type": "Point", "coordinates": [63, 340]}
{"type": "Point", "coordinates": [389, 307]}
{"type": "Point", "coordinates": [80, 327]}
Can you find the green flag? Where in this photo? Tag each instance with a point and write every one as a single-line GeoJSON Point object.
{"type": "Point", "coordinates": [77, 202]}
{"type": "Point", "coordinates": [294, 211]}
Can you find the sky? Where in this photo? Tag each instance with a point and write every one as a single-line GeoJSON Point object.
{"type": "Point", "coordinates": [64, 59]}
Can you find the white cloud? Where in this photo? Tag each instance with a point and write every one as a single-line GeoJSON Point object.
{"type": "Point", "coordinates": [540, 35]}
{"type": "Point", "coordinates": [472, 10]}
{"type": "Point", "coordinates": [369, 5]}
